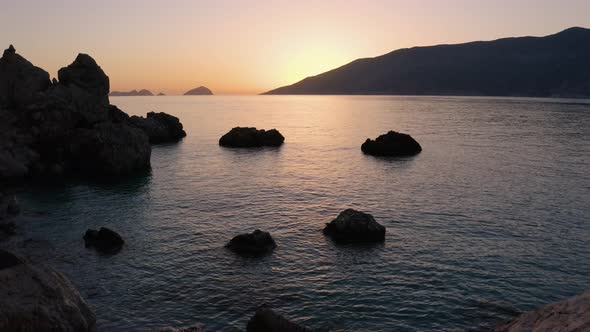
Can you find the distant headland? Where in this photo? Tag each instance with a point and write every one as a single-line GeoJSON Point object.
{"type": "Point", "coordinates": [200, 91]}
{"type": "Point", "coordinates": [552, 66]}
{"type": "Point", "coordinates": [142, 92]}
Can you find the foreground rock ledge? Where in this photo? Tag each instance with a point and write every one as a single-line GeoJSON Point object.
{"type": "Point", "coordinates": [38, 298]}
{"type": "Point", "coordinates": [249, 137]}
{"type": "Point", "coordinates": [355, 226]}
{"type": "Point", "coordinates": [266, 320]}
{"type": "Point", "coordinates": [254, 244]}
{"type": "Point", "coordinates": [571, 315]}
{"type": "Point", "coordinates": [392, 144]}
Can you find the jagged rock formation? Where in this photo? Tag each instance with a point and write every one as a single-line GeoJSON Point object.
{"type": "Point", "coordinates": [392, 144]}
{"type": "Point", "coordinates": [254, 244]}
{"type": "Point", "coordinates": [266, 320]}
{"type": "Point", "coordinates": [200, 91]}
{"type": "Point", "coordinates": [248, 137]}
{"type": "Point", "coordinates": [38, 298]}
{"type": "Point", "coordinates": [67, 126]}
{"type": "Point", "coordinates": [132, 93]}
{"type": "Point", "coordinates": [571, 315]}
{"type": "Point", "coordinates": [355, 226]}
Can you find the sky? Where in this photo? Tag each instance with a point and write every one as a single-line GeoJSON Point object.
{"type": "Point", "coordinates": [252, 46]}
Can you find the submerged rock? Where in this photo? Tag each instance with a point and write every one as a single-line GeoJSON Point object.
{"type": "Point", "coordinates": [255, 244]}
{"type": "Point", "coordinates": [266, 320]}
{"type": "Point", "coordinates": [248, 137]}
{"type": "Point", "coordinates": [160, 127]}
{"type": "Point", "coordinates": [104, 240]}
{"type": "Point", "coordinates": [392, 144]}
{"type": "Point", "coordinates": [38, 298]}
{"type": "Point", "coordinates": [571, 315]}
{"type": "Point", "coordinates": [355, 226]}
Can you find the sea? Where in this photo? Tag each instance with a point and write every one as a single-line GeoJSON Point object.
{"type": "Point", "coordinates": [492, 218]}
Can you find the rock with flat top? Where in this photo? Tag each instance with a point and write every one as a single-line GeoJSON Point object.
{"type": "Point", "coordinates": [104, 240]}
{"type": "Point", "coordinates": [255, 244]}
{"type": "Point", "coordinates": [160, 127]}
{"type": "Point", "coordinates": [249, 137]}
{"type": "Point", "coordinates": [571, 315]}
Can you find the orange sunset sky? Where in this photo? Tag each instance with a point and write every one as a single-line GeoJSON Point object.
{"type": "Point", "coordinates": [248, 47]}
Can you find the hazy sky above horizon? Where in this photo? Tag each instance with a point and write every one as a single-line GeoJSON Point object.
{"type": "Point", "coordinates": [257, 45]}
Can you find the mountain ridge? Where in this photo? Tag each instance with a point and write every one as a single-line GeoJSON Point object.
{"type": "Point", "coordinates": [553, 65]}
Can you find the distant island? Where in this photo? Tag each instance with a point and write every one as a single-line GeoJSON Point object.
{"type": "Point", "coordinates": [161, 94]}
{"type": "Point", "coordinates": [200, 91]}
{"type": "Point", "coordinates": [142, 92]}
{"type": "Point", "coordinates": [552, 66]}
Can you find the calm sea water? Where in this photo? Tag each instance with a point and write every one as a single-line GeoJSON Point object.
{"type": "Point", "coordinates": [490, 219]}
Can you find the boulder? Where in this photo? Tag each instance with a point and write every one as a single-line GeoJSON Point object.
{"type": "Point", "coordinates": [254, 244]}
{"type": "Point", "coordinates": [392, 144]}
{"type": "Point", "coordinates": [8, 206]}
{"type": "Point", "coordinates": [160, 127]}
{"type": "Point", "coordinates": [110, 149]}
{"type": "Point", "coordinates": [20, 81]}
{"type": "Point", "coordinates": [104, 240]}
{"type": "Point", "coordinates": [571, 315]}
{"type": "Point", "coordinates": [85, 74]}
{"type": "Point", "coordinates": [266, 320]}
{"type": "Point", "coordinates": [243, 137]}
{"type": "Point", "coordinates": [38, 298]}
{"type": "Point", "coordinates": [355, 226]}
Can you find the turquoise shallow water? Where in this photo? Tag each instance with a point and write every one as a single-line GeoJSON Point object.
{"type": "Point", "coordinates": [490, 219]}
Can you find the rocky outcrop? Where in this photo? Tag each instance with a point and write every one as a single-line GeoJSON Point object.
{"type": "Point", "coordinates": [104, 240]}
{"type": "Point", "coordinates": [20, 82]}
{"type": "Point", "coordinates": [392, 144]}
{"type": "Point", "coordinates": [266, 320]}
{"type": "Point", "coordinates": [249, 137]}
{"type": "Point", "coordinates": [200, 91]}
{"type": "Point", "coordinates": [254, 244]}
{"type": "Point", "coordinates": [354, 226]}
{"type": "Point", "coordinates": [38, 298]}
{"type": "Point", "coordinates": [571, 315]}
{"type": "Point", "coordinates": [68, 126]}
{"type": "Point", "coordinates": [160, 127]}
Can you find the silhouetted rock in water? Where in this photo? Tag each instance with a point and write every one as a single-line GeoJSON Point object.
{"type": "Point", "coordinates": [104, 240]}
{"type": "Point", "coordinates": [160, 127]}
{"type": "Point", "coordinates": [256, 243]}
{"type": "Point", "coordinates": [20, 81]}
{"type": "Point", "coordinates": [553, 66]}
{"type": "Point", "coordinates": [194, 328]}
{"type": "Point", "coordinates": [266, 320]}
{"type": "Point", "coordinates": [200, 91]}
{"type": "Point", "coordinates": [571, 315]}
{"type": "Point", "coordinates": [132, 93]}
{"type": "Point", "coordinates": [38, 298]}
{"type": "Point", "coordinates": [392, 144]}
{"type": "Point", "coordinates": [355, 226]}
{"type": "Point", "coordinates": [68, 126]}
{"type": "Point", "coordinates": [161, 94]}
{"type": "Point", "coordinates": [243, 137]}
